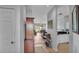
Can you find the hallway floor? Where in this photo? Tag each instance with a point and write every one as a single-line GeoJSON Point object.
{"type": "Point", "coordinates": [40, 45]}
{"type": "Point", "coordinates": [41, 48]}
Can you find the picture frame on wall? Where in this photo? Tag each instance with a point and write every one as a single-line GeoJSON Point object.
{"type": "Point", "coordinates": [75, 19]}
{"type": "Point", "coordinates": [50, 24]}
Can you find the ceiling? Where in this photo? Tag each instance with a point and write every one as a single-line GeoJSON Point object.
{"type": "Point", "coordinates": [40, 12]}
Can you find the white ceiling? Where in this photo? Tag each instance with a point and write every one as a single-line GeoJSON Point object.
{"type": "Point", "coordinates": [40, 12]}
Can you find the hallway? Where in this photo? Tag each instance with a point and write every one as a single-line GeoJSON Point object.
{"type": "Point", "coordinates": [40, 44]}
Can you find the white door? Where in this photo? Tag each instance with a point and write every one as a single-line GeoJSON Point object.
{"type": "Point", "coordinates": [7, 30]}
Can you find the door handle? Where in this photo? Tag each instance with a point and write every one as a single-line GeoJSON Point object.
{"type": "Point", "coordinates": [12, 42]}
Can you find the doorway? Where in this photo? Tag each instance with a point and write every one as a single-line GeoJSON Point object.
{"type": "Point", "coordinates": [8, 43]}
{"type": "Point", "coordinates": [63, 34]}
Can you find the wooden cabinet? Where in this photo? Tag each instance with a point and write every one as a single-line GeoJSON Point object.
{"type": "Point", "coordinates": [29, 36]}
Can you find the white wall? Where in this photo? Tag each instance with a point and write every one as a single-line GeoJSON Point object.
{"type": "Point", "coordinates": [70, 28]}
{"type": "Point", "coordinates": [61, 19]}
{"type": "Point", "coordinates": [62, 23]}
{"type": "Point", "coordinates": [74, 38]}
{"type": "Point", "coordinates": [52, 16]}
{"type": "Point", "coordinates": [28, 11]}
{"type": "Point", "coordinates": [18, 28]}
{"type": "Point", "coordinates": [22, 32]}
{"type": "Point", "coordinates": [75, 43]}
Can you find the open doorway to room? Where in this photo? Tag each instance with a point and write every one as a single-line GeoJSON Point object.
{"type": "Point", "coordinates": [37, 40]}
{"type": "Point", "coordinates": [63, 29]}
{"type": "Point", "coordinates": [42, 41]}
{"type": "Point", "coordinates": [63, 35]}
